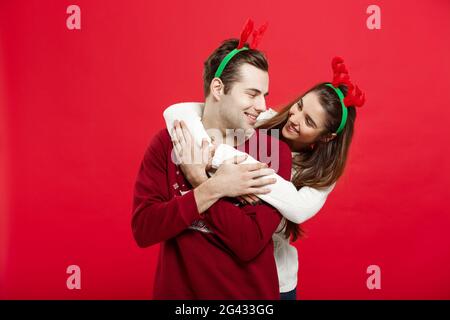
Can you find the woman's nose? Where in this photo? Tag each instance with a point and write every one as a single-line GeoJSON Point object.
{"type": "Point", "coordinates": [294, 118]}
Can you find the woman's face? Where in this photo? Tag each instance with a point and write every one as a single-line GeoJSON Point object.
{"type": "Point", "coordinates": [306, 122]}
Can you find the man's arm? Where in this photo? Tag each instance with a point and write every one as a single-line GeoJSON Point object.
{"type": "Point", "coordinates": [156, 217]}
{"type": "Point", "coordinates": [247, 230]}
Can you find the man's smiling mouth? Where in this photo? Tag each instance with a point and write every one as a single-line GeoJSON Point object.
{"type": "Point", "coordinates": [251, 117]}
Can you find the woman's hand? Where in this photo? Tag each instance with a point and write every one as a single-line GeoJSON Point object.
{"type": "Point", "coordinates": [194, 161]}
{"type": "Point", "coordinates": [233, 178]}
{"type": "Point", "coordinates": [250, 199]}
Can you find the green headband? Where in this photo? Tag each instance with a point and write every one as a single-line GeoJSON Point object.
{"type": "Point", "coordinates": [344, 108]}
{"type": "Point", "coordinates": [227, 59]}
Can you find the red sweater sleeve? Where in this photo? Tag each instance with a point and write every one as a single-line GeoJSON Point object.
{"type": "Point", "coordinates": [156, 217]}
{"type": "Point", "coordinates": [247, 230]}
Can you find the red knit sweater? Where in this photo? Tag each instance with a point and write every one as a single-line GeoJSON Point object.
{"type": "Point", "coordinates": [228, 254]}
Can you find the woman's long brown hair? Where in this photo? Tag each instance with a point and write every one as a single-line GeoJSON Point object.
{"type": "Point", "coordinates": [324, 164]}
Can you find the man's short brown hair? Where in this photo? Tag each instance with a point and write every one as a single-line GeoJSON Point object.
{"type": "Point", "coordinates": [231, 72]}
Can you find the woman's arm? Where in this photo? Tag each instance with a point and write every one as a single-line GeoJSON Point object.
{"type": "Point", "coordinates": [295, 205]}
{"type": "Point", "coordinates": [191, 113]}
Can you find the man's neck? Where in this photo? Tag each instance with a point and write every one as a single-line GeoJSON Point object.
{"type": "Point", "coordinates": [211, 122]}
{"type": "Point", "coordinates": [211, 118]}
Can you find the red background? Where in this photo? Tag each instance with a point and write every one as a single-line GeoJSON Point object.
{"type": "Point", "coordinates": [78, 108]}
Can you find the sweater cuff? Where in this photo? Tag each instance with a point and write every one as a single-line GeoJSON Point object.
{"type": "Point", "coordinates": [187, 207]}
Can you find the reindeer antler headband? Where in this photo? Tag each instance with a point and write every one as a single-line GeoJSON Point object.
{"type": "Point", "coordinates": [354, 96]}
{"type": "Point", "coordinates": [245, 34]}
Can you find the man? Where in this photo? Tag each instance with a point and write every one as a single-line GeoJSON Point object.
{"type": "Point", "coordinates": [211, 248]}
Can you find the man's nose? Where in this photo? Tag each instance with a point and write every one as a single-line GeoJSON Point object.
{"type": "Point", "coordinates": [261, 104]}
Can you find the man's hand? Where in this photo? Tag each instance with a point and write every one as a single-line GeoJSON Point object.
{"type": "Point", "coordinates": [233, 178]}
{"type": "Point", "coordinates": [194, 160]}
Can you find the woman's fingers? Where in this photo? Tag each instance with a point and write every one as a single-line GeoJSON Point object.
{"type": "Point", "coordinates": [176, 142]}
{"type": "Point", "coordinates": [186, 133]}
{"type": "Point", "coordinates": [205, 151]}
{"type": "Point", "coordinates": [211, 150]}
{"type": "Point", "coordinates": [241, 199]}
{"type": "Point", "coordinates": [256, 200]}
{"type": "Point", "coordinates": [184, 145]}
{"type": "Point", "coordinates": [179, 132]}
{"type": "Point", "coordinates": [247, 199]}
{"type": "Point", "coordinates": [252, 199]}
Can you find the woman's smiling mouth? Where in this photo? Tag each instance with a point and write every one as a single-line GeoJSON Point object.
{"type": "Point", "coordinates": [292, 129]}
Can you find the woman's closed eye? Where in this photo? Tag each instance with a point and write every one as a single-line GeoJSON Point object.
{"type": "Point", "coordinates": [300, 104]}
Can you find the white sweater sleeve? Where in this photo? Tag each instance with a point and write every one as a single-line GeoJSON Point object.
{"type": "Point", "coordinates": [191, 113]}
{"type": "Point", "coordinates": [295, 205]}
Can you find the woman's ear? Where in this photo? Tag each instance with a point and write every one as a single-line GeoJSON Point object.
{"type": "Point", "coordinates": [217, 88]}
{"type": "Point", "coordinates": [328, 137]}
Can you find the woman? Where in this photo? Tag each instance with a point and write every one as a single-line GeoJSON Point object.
{"type": "Point", "coordinates": [318, 127]}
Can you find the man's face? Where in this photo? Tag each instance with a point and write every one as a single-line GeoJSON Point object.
{"type": "Point", "coordinates": [240, 107]}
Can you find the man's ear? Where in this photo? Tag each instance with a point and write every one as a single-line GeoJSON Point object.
{"type": "Point", "coordinates": [328, 137]}
{"type": "Point", "coordinates": [217, 88]}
